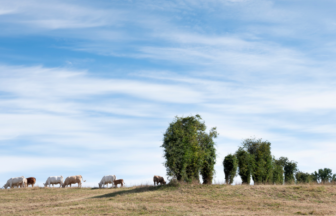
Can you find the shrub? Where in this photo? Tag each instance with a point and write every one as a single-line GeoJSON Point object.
{"type": "Point", "coordinates": [245, 164]}
{"type": "Point", "coordinates": [230, 164]}
{"type": "Point", "coordinates": [302, 177]}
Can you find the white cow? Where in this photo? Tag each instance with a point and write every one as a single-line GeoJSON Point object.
{"type": "Point", "coordinates": [107, 180]}
{"type": "Point", "coordinates": [77, 179]}
{"type": "Point", "coordinates": [52, 180]}
{"type": "Point", "coordinates": [17, 181]}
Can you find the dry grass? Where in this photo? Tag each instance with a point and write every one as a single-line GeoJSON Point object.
{"type": "Point", "coordinates": [170, 200]}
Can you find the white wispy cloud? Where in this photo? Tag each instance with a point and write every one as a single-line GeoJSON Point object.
{"type": "Point", "coordinates": [251, 68]}
{"type": "Point", "coordinates": [59, 15]}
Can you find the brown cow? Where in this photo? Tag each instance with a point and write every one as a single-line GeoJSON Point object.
{"type": "Point", "coordinates": [119, 181]}
{"type": "Point", "coordinates": [31, 181]}
{"type": "Point", "coordinates": [159, 179]}
{"type": "Point", "coordinates": [73, 180]}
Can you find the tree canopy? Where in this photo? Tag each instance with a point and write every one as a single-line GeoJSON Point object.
{"type": "Point", "coordinates": [302, 177]}
{"type": "Point", "coordinates": [189, 151]}
{"type": "Point", "coordinates": [262, 169]}
{"type": "Point", "coordinates": [245, 164]}
{"type": "Point", "coordinates": [230, 164]}
{"type": "Point", "coordinates": [290, 168]}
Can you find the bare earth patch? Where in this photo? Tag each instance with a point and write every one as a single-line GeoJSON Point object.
{"type": "Point", "coordinates": [169, 200]}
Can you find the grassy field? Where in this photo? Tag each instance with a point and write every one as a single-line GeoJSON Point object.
{"type": "Point", "coordinates": [172, 200]}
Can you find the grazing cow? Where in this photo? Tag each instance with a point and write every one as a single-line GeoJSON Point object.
{"type": "Point", "coordinates": [52, 180]}
{"type": "Point", "coordinates": [119, 181]}
{"type": "Point", "coordinates": [159, 179]}
{"type": "Point", "coordinates": [22, 184]}
{"type": "Point", "coordinates": [25, 183]}
{"type": "Point", "coordinates": [17, 181]}
{"type": "Point", "coordinates": [31, 181]}
{"type": "Point", "coordinates": [73, 180]}
{"type": "Point", "coordinates": [107, 180]}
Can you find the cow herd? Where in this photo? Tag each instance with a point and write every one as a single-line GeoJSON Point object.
{"type": "Point", "coordinates": [77, 179]}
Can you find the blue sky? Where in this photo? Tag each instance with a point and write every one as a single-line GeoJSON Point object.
{"type": "Point", "coordinates": [89, 87]}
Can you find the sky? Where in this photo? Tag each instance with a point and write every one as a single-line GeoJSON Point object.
{"type": "Point", "coordinates": [89, 87]}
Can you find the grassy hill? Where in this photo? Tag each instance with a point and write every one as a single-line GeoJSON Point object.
{"type": "Point", "coordinates": [172, 200]}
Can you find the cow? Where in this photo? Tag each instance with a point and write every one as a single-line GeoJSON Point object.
{"type": "Point", "coordinates": [52, 180]}
{"type": "Point", "coordinates": [73, 180]}
{"type": "Point", "coordinates": [107, 180]}
{"type": "Point", "coordinates": [119, 181]}
{"type": "Point", "coordinates": [25, 183]}
{"type": "Point", "coordinates": [31, 181]}
{"type": "Point", "coordinates": [159, 179]}
{"type": "Point", "coordinates": [17, 181]}
{"type": "Point", "coordinates": [22, 184]}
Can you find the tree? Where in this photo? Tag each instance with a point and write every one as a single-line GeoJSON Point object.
{"type": "Point", "coordinates": [325, 175]}
{"type": "Point", "coordinates": [189, 150]}
{"type": "Point", "coordinates": [302, 177]}
{"type": "Point", "coordinates": [245, 165]}
{"type": "Point", "coordinates": [315, 177]}
{"type": "Point", "coordinates": [262, 169]}
{"type": "Point", "coordinates": [290, 168]}
{"type": "Point", "coordinates": [209, 155]}
{"type": "Point", "coordinates": [278, 171]}
{"type": "Point", "coordinates": [334, 178]}
{"type": "Point", "coordinates": [230, 164]}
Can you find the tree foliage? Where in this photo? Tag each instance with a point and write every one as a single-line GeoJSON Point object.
{"type": "Point", "coordinates": [315, 177]}
{"type": "Point", "coordinates": [262, 168]}
{"type": "Point", "coordinates": [245, 165]}
{"type": "Point", "coordinates": [302, 177]}
{"type": "Point", "coordinates": [278, 171]}
{"type": "Point", "coordinates": [325, 175]}
{"type": "Point", "coordinates": [290, 168]}
{"type": "Point", "coordinates": [334, 178]}
{"type": "Point", "coordinates": [189, 150]}
{"type": "Point", "coordinates": [230, 164]}
{"type": "Point", "coordinates": [209, 155]}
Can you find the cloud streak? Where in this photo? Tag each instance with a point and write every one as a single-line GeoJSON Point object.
{"type": "Point", "coordinates": [97, 84]}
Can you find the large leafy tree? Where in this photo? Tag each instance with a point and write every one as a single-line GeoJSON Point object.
{"type": "Point", "coordinates": [262, 169]}
{"type": "Point", "coordinates": [230, 164]}
{"type": "Point", "coordinates": [245, 165]}
{"type": "Point", "coordinates": [189, 150]}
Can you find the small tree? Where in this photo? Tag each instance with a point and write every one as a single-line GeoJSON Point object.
{"type": "Point", "coordinates": [278, 171]}
{"type": "Point", "coordinates": [302, 177]}
{"type": "Point", "coordinates": [245, 165]}
{"type": "Point", "coordinates": [290, 168]}
{"type": "Point", "coordinates": [230, 164]}
{"type": "Point", "coordinates": [334, 178]}
{"type": "Point", "coordinates": [315, 177]}
{"type": "Point", "coordinates": [325, 175]}
{"type": "Point", "coordinates": [209, 155]}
